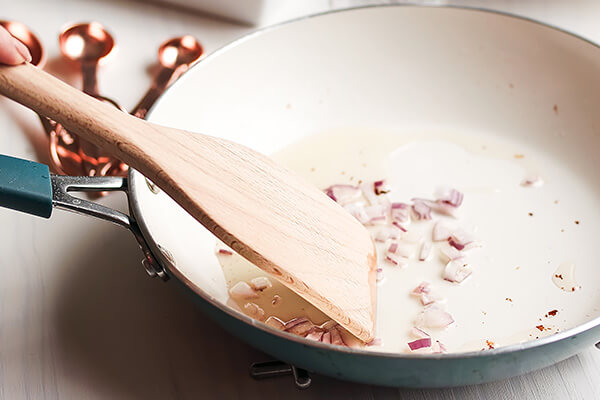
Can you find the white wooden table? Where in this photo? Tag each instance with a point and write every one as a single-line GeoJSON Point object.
{"type": "Point", "coordinates": [79, 319]}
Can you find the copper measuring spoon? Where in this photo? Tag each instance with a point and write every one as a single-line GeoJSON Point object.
{"type": "Point", "coordinates": [175, 56]}
{"type": "Point", "coordinates": [86, 44]}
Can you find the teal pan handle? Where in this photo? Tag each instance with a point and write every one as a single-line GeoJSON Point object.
{"type": "Point", "coordinates": [25, 186]}
{"type": "Point", "coordinates": [29, 187]}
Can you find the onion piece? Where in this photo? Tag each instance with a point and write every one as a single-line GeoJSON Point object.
{"type": "Point", "coordinates": [260, 283]}
{"type": "Point", "coordinates": [254, 311]}
{"type": "Point", "coordinates": [400, 249]}
{"type": "Point", "coordinates": [438, 347]}
{"type": "Point", "coordinates": [444, 208]}
{"type": "Point", "coordinates": [400, 212]}
{"type": "Point", "coordinates": [441, 232]}
{"type": "Point", "coordinates": [357, 210]}
{"type": "Point", "coordinates": [300, 329]}
{"type": "Point", "coordinates": [419, 333]}
{"type": "Point", "coordinates": [434, 316]}
{"type": "Point", "coordinates": [343, 194]}
{"type": "Point", "coordinates": [377, 214]}
{"type": "Point", "coordinates": [336, 337]}
{"type": "Point", "coordinates": [225, 252]}
{"type": "Point", "coordinates": [424, 287]}
{"type": "Point", "coordinates": [426, 294]}
{"type": "Point", "coordinates": [457, 271]}
{"type": "Point", "coordinates": [398, 226]}
{"type": "Point", "coordinates": [420, 343]}
{"type": "Point", "coordinates": [242, 290]}
{"type": "Point", "coordinates": [381, 187]}
{"type": "Point", "coordinates": [380, 277]}
{"type": "Point", "coordinates": [450, 252]}
{"type": "Point", "coordinates": [387, 232]}
{"type": "Point", "coordinates": [461, 237]}
{"type": "Point", "coordinates": [326, 338]}
{"type": "Point", "coordinates": [421, 210]}
{"type": "Point", "coordinates": [396, 259]}
{"type": "Point", "coordinates": [425, 251]}
{"type": "Point", "coordinates": [295, 321]}
{"type": "Point", "coordinates": [315, 334]}
{"type": "Point", "coordinates": [449, 196]}
{"type": "Point", "coordinates": [368, 190]}
{"type": "Point", "coordinates": [275, 323]}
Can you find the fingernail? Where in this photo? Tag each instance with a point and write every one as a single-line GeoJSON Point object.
{"type": "Point", "coordinates": [22, 50]}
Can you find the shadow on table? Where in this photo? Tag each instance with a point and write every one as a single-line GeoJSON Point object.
{"type": "Point", "coordinates": [124, 335]}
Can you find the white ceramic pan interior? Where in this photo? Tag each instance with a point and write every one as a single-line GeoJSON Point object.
{"type": "Point", "coordinates": [424, 97]}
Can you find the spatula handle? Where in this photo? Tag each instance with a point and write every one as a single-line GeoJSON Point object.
{"type": "Point", "coordinates": [93, 120]}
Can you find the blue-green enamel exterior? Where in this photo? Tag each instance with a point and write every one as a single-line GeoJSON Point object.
{"type": "Point", "coordinates": [25, 186]}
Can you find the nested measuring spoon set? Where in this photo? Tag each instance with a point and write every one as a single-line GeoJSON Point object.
{"type": "Point", "coordinates": [88, 45]}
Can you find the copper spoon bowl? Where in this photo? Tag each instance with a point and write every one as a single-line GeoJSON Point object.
{"type": "Point", "coordinates": [21, 32]}
{"type": "Point", "coordinates": [86, 44]}
{"type": "Point", "coordinates": [175, 56]}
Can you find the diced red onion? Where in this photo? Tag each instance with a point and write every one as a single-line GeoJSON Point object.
{"type": "Point", "coordinates": [461, 238]}
{"type": "Point", "coordinates": [275, 323]}
{"type": "Point", "coordinates": [368, 191]}
{"type": "Point", "coordinates": [434, 316]}
{"type": "Point", "coordinates": [377, 214]}
{"type": "Point", "coordinates": [399, 226]}
{"type": "Point", "coordinates": [396, 259]}
{"type": "Point", "coordinates": [357, 210]}
{"type": "Point", "coordinates": [533, 181]}
{"type": "Point", "coordinates": [380, 277]}
{"type": "Point", "coordinates": [260, 283]}
{"type": "Point", "coordinates": [326, 338]}
{"type": "Point", "coordinates": [375, 342]}
{"type": "Point", "coordinates": [419, 333]}
{"type": "Point", "coordinates": [457, 271]}
{"type": "Point", "coordinates": [438, 347]}
{"type": "Point", "coordinates": [254, 311]}
{"type": "Point", "coordinates": [336, 338]}
{"type": "Point", "coordinates": [315, 334]}
{"type": "Point", "coordinates": [424, 287]}
{"type": "Point", "coordinates": [421, 210]}
{"type": "Point", "coordinates": [425, 251]}
{"type": "Point", "coordinates": [441, 232]}
{"type": "Point", "coordinates": [295, 321]}
{"type": "Point", "coordinates": [242, 290]}
{"type": "Point", "coordinates": [443, 208]}
{"type": "Point", "coordinates": [380, 187]}
{"type": "Point", "coordinates": [400, 212]}
{"type": "Point", "coordinates": [387, 232]}
{"type": "Point", "coordinates": [225, 252]}
{"type": "Point", "coordinates": [343, 193]}
{"type": "Point", "coordinates": [300, 329]}
{"type": "Point", "coordinates": [449, 196]}
{"type": "Point", "coordinates": [420, 343]}
{"type": "Point", "coordinates": [450, 252]}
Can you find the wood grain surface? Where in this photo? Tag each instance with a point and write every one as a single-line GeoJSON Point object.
{"type": "Point", "coordinates": [267, 214]}
{"type": "Point", "coordinates": [79, 319]}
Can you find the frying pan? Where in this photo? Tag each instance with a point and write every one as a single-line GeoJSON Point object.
{"type": "Point", "coordinates": [390, 67]}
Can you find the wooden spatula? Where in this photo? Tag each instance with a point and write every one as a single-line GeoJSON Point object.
{"type": "Point", "coordinates": [264, 212]}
